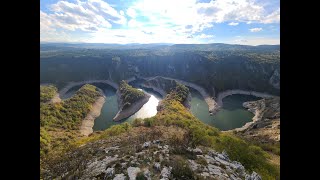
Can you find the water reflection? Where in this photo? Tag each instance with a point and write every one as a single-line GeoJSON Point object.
{"type": "Point", "coordinates": [149, 109]}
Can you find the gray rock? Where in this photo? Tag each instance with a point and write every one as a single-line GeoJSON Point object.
{"type": "Point", "coordinates": [124, 164]}
{"type": "Point", "coordinates": [205, 174]}
{"type": "Point", "coordinates": [147, 174]}
{"type": "Point", "coordinates": [146, 144]}
{"type": "Point", "coordinates": [210, 159]}
{"type": "Point", "coordinates": [233, 177]}
{"type": "Point", "coordinates": [238, 167]}
{"type": "Point", "coordinates": [156, 141]}
{"type": "Point", "coordinates": [197, 150]}
{"type": "Point", "coordinates": [119, 177]}
{"type": "Point", "coordinates": [222, 161]}
{"type": "Point", "coordinates": [214, 170]}
{"type": "Point", "coordinates": [132, 172]}
{"type": "Point", "coordinates": [212, 153]}
{"type": "Point", "coordinates": [193, 165]}
{"type": "Point", "coordinates": [225, 155]}
{"type": "Point", "coordinates": [97, 167]}
{"type": "Point", "coordinates": [157, 166]}
{"type": "Point", "coordinates": [165, 173]}
{"type": "Point", "coordinates": [110, 172]}
{"type": "Point", "coordinates": [253, 176]}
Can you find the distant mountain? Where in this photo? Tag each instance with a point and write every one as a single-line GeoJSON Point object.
{"type": "Point", "coordinates": [166, 46]}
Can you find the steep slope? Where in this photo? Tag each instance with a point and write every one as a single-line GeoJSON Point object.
{"type": "Point", "coordinates": [60, 123]}
{"type": "Point", "coordinates": [130, 100]}
{"type": "Point", "coordinates": [215, 67]}
{"type": "Point", "coordinates": [172, 144]}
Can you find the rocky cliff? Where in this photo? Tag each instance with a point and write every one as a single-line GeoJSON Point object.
{"type": "Point", "coordinates": [265, 126]}
{"type": "Point", "coordinates": [147, 154]}
{"type": "Point", "coordinates": [214, 69]}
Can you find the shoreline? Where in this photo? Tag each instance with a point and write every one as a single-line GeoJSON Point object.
{"type": "Point", "coordinates": [256, 118]}
{"type": "Point", "coordinates": [122, 114]}
{"type": "Point", "coordinates": [88, 122]}
{"type": "Point", "coordinates": [69, 85]}
{"type": "Point", "coordinates": [212, 105]}
{"type": "Point", "coordinates": [158, 90]}
{"type": "Point", "coordinates": [226, 93]}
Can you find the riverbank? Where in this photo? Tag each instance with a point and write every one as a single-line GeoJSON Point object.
{"type": "Point", "coordinates": [212, 105]}
{"type": "Point", "coordinates": [88, 121]}
{"type": "Point", "coordinates": [136, 106]}
{"type": "Point", "coordinates": [64, 90]}
{"type": "Point", "coordinates": [265, 125]}
{"type": "Point", "coordinates": [158, 90]}
{"type": "Point", "coordinates": [226, 93]}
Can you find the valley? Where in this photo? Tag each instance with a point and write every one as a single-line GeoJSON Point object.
{"type": "Point", "coordinates": [217, 99]}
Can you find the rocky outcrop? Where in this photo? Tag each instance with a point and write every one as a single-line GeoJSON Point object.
{"type": "Point", "coordinates": [132, 172]}
{"type": "Point", "coordinates": [265, 125]}
{"type": "Point", "coordinates": [206, 163]}
{"type": "Point", "coordinates": [275, 79]}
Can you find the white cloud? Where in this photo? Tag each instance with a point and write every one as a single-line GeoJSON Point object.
{"type": "Point", "coordinates": [133, 23]}
{"type": "Point", "coordinates": [233, 24]}
{"type": "Point", "coordinates": [205, 36]}
{"type": "Point", "coordinates": [131, 12]}
{"type": "Point", "coordinates": [166, 20]}
{"type": "Point", "coordinates": [86, 16]}
{"type": "Point", "coordinates": [241, 10]}
{"type": "Point", "coordinates": [255, 29]}
{"type": "Point", "coordinates": [274, 17]}
{"type": "Point", "coordinates": [255, 41]}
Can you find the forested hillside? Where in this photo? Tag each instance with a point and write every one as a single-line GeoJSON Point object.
{"type": "Point", "coordinates": [217, 67]}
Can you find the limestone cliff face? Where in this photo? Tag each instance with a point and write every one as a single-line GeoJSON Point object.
{"type": "Point", "coordinates": [161, 85]}
{"type": "Point", "coordinates": [266, 122]}
{"type": "Point", "coordinates": [214, 72]}
{"type": "Point", "coordinates": [275, 79]}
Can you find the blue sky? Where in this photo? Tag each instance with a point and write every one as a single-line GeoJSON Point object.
{"type": "Point", "coordinates": [251, 22]}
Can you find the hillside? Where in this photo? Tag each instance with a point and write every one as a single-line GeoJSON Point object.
{"type": "Point", "coordinates": [130, 100]}
{"type": "Point", "coordinates": [60, 122]}
{"type": "Point", "coordinates": [216, 67]}
{"type": "Point", "coordinates": [172, 144]}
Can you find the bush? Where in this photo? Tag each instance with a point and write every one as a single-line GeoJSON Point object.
{"type": "Point", "coordinates": [181, 169]}
{"type": "Point", "coordinates": [140, 176]}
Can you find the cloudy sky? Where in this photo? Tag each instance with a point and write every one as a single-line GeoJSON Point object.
{"type": "Point", "coordinates": [252, 22]}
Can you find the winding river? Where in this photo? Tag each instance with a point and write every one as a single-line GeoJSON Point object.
{"type": "Point", "coordinates": [232, 115]}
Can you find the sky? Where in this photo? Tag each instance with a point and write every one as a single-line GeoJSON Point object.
{"type": "Point", "coordinates": [249, 22]}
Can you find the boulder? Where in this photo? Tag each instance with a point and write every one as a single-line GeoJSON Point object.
{"type": "Point", "coordinates": [119, 177]}
{"type": "Point", "coordinates": [132, 172]}
{"type": "Point", "coordinates": [110, 172]}
{"type": "Point", "coordinates": [165, 173]}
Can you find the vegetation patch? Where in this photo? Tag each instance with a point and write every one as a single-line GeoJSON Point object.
{"type": "Point", "coordinates": [47, 93]}
{"type": "Point", "coordinates": [129, 94]}
{"type": "Point", "coordinates": [60, 122]}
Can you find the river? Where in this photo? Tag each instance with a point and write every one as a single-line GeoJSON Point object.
{"type": "Point", "coordinates": [231, 116]}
